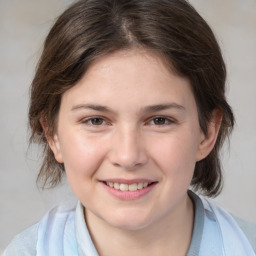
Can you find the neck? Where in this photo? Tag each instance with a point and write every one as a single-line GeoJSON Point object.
{"type": "Point", "coordinates": [169, 236]}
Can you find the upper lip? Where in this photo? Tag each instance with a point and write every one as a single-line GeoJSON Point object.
{"type": "Point", "coordinates": [128, 181]}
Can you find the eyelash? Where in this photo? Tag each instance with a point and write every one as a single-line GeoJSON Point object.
{"type": "Point", "coordinates": [90, 120]}
{"type": "Point", "coordinates": [163, 121]}
{"type": "Point", "coordinates": [166, 121]}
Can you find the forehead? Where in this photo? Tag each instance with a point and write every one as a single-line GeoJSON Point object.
{"type": "Point", "coordinates": [135, 76]}
{"type": "Point", "coordinates": [129, 60]}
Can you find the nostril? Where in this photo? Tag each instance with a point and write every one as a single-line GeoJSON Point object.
{"type": "Point", "coordinates": [127, 150]}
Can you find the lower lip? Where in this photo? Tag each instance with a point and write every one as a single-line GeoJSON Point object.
{"type": "Point", "coordinates": [129, 195]}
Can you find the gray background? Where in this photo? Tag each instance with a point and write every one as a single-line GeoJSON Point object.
{"type": "Point", "coordinates": [23, 25]}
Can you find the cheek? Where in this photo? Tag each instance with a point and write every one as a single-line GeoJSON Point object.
{"type": "Point", "coordinates": [82, 155]}
{"type": "Point", "coordinates": [176, 155]}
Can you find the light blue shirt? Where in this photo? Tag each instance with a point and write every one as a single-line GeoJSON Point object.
{"type": "Point", "coordinates": [63, 232]}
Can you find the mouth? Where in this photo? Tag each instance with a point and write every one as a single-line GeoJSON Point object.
{"type": "Point", "coordinates": [128, 187]}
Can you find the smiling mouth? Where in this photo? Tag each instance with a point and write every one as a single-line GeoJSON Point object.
{"type": "Point", "coordinates": [128, 187]}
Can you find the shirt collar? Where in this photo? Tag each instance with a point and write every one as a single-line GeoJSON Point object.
{"type": "Point", "coordinates": [87, 248]}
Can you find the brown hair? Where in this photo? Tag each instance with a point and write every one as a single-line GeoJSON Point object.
{"type": "Point", "coordinates": [92, 28]}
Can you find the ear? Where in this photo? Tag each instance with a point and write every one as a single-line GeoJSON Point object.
{"type": "Point", "coordinates": [208, 140]}
{"type": "Point", "coordinates": [53, 141]}
{"type": "Point", "coordinates": [55, 147]}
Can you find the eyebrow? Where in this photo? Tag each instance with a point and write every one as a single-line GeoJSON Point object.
{"type": "Point", "coordinates": [159, 107]}
{"type": "Point", "coordinates": [91, 106]}
{"type": "Point", "coordinates": [147, 109]}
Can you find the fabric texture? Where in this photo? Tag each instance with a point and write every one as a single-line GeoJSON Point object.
{"type": "Point", "coordinates": [63, 232]}
{"type": "Point", "coordinates": [249, 229]}
{"type": "Point", "coordinates": [23, 244]}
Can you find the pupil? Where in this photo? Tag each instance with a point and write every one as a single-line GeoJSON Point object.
{"type": "Point", "coordinates": [97, 121]}
{"type": "Point", "coordinates": [160, 120]}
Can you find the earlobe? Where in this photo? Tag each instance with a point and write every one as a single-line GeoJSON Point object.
{"type": "Point", "coordinates": [208, 140]}
{"type": "Point", "coordinates": [55, 147]}
{"type": "Point", "coordinates": [53, 141]}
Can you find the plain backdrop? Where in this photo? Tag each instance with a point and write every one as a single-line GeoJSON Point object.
{"type": "Point", "coordinates": [23, 26]}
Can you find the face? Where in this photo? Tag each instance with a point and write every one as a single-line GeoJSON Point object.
{"type": "Point", "coordinates": [129, 138]}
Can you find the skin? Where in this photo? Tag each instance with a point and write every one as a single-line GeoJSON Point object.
{"type": "Point", "coordinates": [131, 117]}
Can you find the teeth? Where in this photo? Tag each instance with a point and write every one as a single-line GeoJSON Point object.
{"type": "Point", "coordinates": [123, 187]}
{"type": "Point", "coordinates": [145, 184]}
{"type": "Point", "coordinates": [116, 185]}
{"type": "Point", "coordinates": [133, 187]}
{"type": "Point", "coordinates": [126, 187]}
{"type": "Point", "coordinates": [111, 184]}
{"type": "Point", "coordinates": [140, 186]}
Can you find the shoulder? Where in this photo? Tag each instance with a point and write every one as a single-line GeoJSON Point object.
{"type": "Point", "coordinates": [249, 229]}
{"type": "Point", "coordinates": [28, 241]}
{"type": "Point", "coordinates": [236, 233]}
{"type": "Point", "coordinates": [57, 218]}
{"type": "Point", "coordinates": [23, 244]}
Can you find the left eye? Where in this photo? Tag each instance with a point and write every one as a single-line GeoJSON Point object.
{"type": "Point", "coordinates": [160, 121]}
{"type": "Point", "coordinates": [94, 121]}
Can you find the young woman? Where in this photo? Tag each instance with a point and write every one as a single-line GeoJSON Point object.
{"type": "Point", "coordinates": [128, 102]}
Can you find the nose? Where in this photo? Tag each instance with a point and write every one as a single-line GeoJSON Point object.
{"type": "Point", "coordinates": [128, 150]}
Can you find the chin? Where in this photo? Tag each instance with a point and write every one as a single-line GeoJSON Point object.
{"type": "Point", "coordinates": [131, 226]}
{"type": "Point", "coordinates": [129, 221]}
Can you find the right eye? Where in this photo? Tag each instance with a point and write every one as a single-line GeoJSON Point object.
{"type": "Point", "coordinates": [160, 121]}
{"type": "Point", "coordinates": [94, 121]}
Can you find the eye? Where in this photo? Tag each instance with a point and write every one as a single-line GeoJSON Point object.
{"type": "Point", "coordinates": [94, 121]}
{"type": "Point", "coordinates": [160, 121]}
